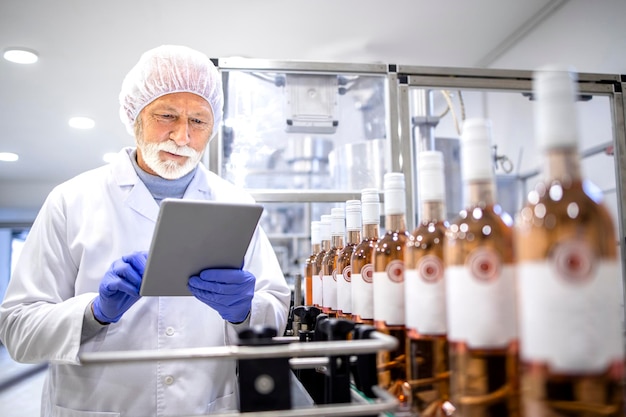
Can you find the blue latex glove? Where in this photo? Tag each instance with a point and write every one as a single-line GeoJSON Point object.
{"type": "Point", "coordinates": [227, 291]}
{"type": "Point", "coordinates": [119, 288]}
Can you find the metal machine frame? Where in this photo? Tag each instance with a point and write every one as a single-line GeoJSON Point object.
{"type": "Point", "coordinates": [311, 196]}
{"type": "Point", "coordinates": [399, 79]}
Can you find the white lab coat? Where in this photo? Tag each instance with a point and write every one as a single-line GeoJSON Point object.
{"type": "Point", "coordinates": [84, 225]}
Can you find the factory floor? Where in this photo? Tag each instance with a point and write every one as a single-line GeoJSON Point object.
{"type": "Point", "coordinates": [20, 387]}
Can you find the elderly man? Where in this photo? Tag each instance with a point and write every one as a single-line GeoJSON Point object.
{"type": "Point", "coordinates": [76, 286]}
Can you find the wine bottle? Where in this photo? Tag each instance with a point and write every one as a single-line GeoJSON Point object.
{"type": "Point", "coordinates": [425, 298]}
{"type": "Point", "coordinates": [344, 267]}
{"type": "Point", "coordinates": [571, 342]}
{"type": "Point", "coordinates": [329, 263]}
{"type": "Point", "coordinates": [316, 246]}
{"type": "Point", "coordinates": [318, 270]}
{"type": "Point", "coordinates": [362, 259]}
{"type": "Point", "coordinates": [480, 289]}
{"type": "Point", "coordinates": [388, 289]}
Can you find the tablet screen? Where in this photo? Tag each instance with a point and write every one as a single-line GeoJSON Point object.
{"type": "Point", "coordinates": [192, 235]}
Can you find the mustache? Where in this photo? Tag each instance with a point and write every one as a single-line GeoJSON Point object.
{"type": "Point", "coordinates": [172, 148]}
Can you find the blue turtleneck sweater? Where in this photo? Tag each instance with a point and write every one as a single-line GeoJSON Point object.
{"type": "Point", "coordinates": [161, 188]}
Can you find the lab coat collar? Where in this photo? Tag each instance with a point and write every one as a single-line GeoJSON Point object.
{"type": "Point", "coordinates": [136, 194]}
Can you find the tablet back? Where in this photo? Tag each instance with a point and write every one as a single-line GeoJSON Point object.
{"type": "Point", "coordinates": [192, 235]}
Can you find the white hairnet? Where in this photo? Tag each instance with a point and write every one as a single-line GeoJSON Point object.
{"type": "Point", "coordinates": [170, 69]}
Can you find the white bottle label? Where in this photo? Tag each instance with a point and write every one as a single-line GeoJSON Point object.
{"type": "Point", "coordinates": [344, 290]}
{"type": "Point", "coordinates": [317, 289]}
{"type": "Point", "coordinates": [481, 301]}
{"type": "Point", "coordinates": [570, 311]}
{"type": "Point", "coordinates": [363, 292]}
{"type": "Point", "coordinates": [389, 294]}
{"type": "Point", "coordinates": [330, 291]}
{"type": "Point", "coordinates": [425, 296]}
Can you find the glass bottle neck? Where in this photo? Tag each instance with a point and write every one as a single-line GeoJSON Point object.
{"type": "Point", "coordinates": [336, 241]}
{"type": "Point", "coordinates": [395, 222]}
{"type": "Point", "coordinates": [433, 211]}
{"type": "Point", "coordinates": [316, 248]}
{"type": "Point", "coordinates": [481, 193]}
{"type": "Point", "coordinates": [562, 164]}
{"type": "Point", "coordinates": [326, 245]}
{"type": "Point", "coordinates": [353, 237]}
{"type": "Point", "coordinates": [370, 231]}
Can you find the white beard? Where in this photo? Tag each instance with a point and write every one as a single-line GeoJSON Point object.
{"type": "Point", "coordinates": [168, 169]}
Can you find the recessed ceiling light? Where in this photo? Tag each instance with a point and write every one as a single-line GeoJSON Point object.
{"type": "Point", "coordinates": [109, 157]}
{"type": "Point", "coordinates": [82, 123]}
{"type": "Point", "coordinates": [20, 55]}
{"type": "Point", "coordinates": [8, 157]}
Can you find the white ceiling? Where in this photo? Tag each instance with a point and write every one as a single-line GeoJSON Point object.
{"type": "Point", "coordinates": [86, 47]}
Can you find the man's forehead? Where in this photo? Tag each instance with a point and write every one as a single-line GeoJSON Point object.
{"type": "Point", "coordinates": [181, 97]}
{"type": "Point", "coordinates": [173, 100]}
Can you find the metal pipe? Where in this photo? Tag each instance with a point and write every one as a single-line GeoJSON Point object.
{"type": "Point", "coordinates": [424, 119]}
{"type": "Point", "coordinates": [378, 342]}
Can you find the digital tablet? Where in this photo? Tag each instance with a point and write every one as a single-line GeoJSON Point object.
{"type": "Point", "coordinates": [192, 235]}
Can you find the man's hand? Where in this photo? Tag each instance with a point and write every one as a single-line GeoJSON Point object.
{"type": "Point", "coordinates": [227, 291]}
{"type": "Point", "coordinates": [119, 288]}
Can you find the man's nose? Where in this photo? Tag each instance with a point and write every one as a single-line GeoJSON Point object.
{"type": "Point", "coordinates": [180, 133]}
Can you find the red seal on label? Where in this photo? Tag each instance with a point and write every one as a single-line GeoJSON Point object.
{"type": "Point", "coordinates": [573, 261]}
{"type": "Point", "coordinates": [395, 271]}
{"type": "Point", "coordinates": [347, 273]}
{"type": "Point", "coordinates": [367, 273]}
{"type": "Point", "coordinates": [484, 264]}
{"type": "Point", "coordinates": [430, 268]}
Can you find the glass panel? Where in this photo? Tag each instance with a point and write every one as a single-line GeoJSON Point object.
{"type": "Point", "coordinates": [516, 159]}
{"type": "Point", "coordinates": [304, 131]}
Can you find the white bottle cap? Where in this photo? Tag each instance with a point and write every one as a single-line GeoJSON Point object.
{"type": "Point", "coordinates": [325, 221]}
{"type": "Point", "coordinates": [315, 232]}
{"type": "Point", "coordinates": [353, 215]}
{"type": "Point", "coordinates": [431, 176]}
{"type": "Point", "coordinates": [338, 222]}
{"type": "Point", "coordinates": [556, 122]}
{"type": "Point", "coordinates": [395, 199]}
{"type": "Point", "coordinates": [476, 152]}
{"type": "Point", "coordinates": [370, 206]}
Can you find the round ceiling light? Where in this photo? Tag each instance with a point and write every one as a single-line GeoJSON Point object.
{"type": "Point", "coordinates": [8, 157]}
{"type": "Point", "coordinates": [20, 55]}
{"type": "Point", "coordinates": [82, 123]}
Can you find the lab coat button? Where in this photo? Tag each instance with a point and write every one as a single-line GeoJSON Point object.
{"type": "Point", "coordinates": [168, 380]}
{"type": "Point", "coordinates": [169, 331]}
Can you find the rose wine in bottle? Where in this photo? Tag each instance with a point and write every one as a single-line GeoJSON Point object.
{"type": "Point", "coordinates": [389, 290]}
{"type": "Point", "coordinates": [480, 289]}
{"type": "Point", "coordinates": [425, 297]}
{"type": "Point", "coordinates": [316, 246]}
{"type": "Point", "coordinates": [329, 263]}
{"type": "Point", "coordinates": [362, 259]}
{"type": "Point", "coordinates": [344, 267]}
{"type": "Point", "coordinates": [571, 340]}
{"type": "Point", "coordinates": [318, 271]}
